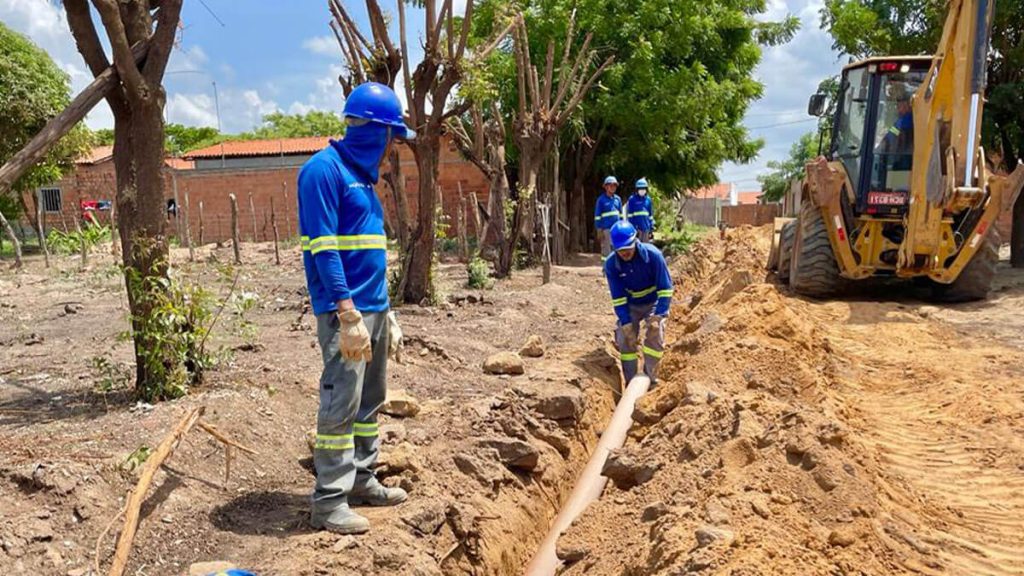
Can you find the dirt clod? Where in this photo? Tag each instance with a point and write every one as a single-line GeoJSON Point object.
{"type": "Point", "coordinates": [626, 470]}
{"type": "Point", "coordinates": [504, 363]}
{"type": "Point", "coordinates": [533, 348]}
{"type": "Point", "coordinates": [401, 404]}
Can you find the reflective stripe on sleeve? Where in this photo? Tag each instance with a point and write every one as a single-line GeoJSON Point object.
{"type": "Point", "coordinates": [345, 243]}
{"type": "Point", "coordinates": [618, 301]}
{"type": "Point", "coordinates": [665, 293]}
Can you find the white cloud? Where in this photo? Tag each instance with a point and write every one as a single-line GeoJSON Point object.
{"type": "Point", "coordinates": [790, 74]}
{"type": "Point", "coordinates": [240, 110]}
{"type": "Point", "coordinates": [322, 46]}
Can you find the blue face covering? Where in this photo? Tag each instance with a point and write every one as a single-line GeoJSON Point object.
{"type": "Point", "coordinates": [363, 147]}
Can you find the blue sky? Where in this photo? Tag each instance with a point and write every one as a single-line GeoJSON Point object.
{"type": "Point", "coordinates": [273, 55]}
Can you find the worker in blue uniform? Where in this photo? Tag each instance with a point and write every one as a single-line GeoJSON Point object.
{"type": "Point", "coordinates": [641, 289]}
{"type": "Point", "coordinates": [607, 211]}
{"type": "Point", "coordinates": [344, 252]}
{"type": "Point", "coordinates": [640, 211]}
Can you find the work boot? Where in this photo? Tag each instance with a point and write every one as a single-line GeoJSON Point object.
{"type": "Point", "coordinates": [376, 494]}
{"type": "Point", "coordinates": [341, 520]}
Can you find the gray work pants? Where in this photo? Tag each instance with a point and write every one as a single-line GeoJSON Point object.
{"type": "Point", "coordinates": [351, 393]}
{"type": "Point", "coordinates": [605, 235]}
{"type": "Point", "coordinates": [651, 340]}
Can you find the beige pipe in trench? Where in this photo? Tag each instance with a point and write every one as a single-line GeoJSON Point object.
{"type": "Point", "coordinates": [590, 483]}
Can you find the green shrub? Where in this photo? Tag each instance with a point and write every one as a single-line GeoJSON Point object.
{"type": "Point", "coordinates": [60, 242]}
{"type": "Point", "coordinates": [479, 273]}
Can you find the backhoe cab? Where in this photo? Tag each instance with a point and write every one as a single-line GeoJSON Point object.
{"type": "Point", "coordinates": [904, 190]}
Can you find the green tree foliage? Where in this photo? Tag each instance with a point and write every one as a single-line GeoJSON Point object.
{"type": "Point", "coordinates": [104, 137]}
{"type": "Point", "coordinates": [672, 105]}
{"type": "Point", "coordinates": [863, 28]}
{"type": "Point", "coordinates": [776, 183]}
{"type": "Point", "coordinates": [314, 123]}
{"type": "Point", "coordinates": [32, 91]}
{"type": "Point", "coordinates": [179, 139]}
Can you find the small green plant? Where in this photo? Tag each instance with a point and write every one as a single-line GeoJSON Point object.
{"type": "Point", "coordinates": [71, 242]}
{"type": "Point", "coordinates": [479, 273]}
{"type": "Point", "coordinates": [170, 338]}
{"type": "Point", "coordinates": [112, 375]}
{"type": "Point", "coordinates": [242, 304]}
{"type": "Point", "coordinates": [679, 241]}
{"type": "Point", "coordinates": [136, 459]}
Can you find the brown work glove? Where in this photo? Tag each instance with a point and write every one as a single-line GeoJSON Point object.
{"type": "Point", "coordinates": [353, 337]}
{"type": "Point", "coordinates": [629, 335]}
{"type": "Point", "coordinates": [394, 337]}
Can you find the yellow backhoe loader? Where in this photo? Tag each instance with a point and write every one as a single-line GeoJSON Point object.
{"type": "Point", "coordinates": [905, 190]}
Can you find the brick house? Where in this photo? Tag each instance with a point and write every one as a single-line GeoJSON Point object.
{"type": "Point", "coordinates": [261, 173]}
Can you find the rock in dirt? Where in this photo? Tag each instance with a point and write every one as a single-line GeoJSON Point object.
{"type": "Point", "coordinates": [204, 568]}
{"type": "Point", "coordinates": [400, 458]}
{"type": "Point", "coordinates": [504, 363]}
{"type": "Point", "coordinates": [534, 347]}
{"type": "Point", "coordinates": [843, 537]}
{"type": "Point", "coordinates": [514, 453]}
{"type": "Point", "coordinates": [654, 511]}
{"type": "Point", "coordinates": [707, 535]}
{"type": "Point", "coordinates": [399, 403]}
{"type": "Point", "coordinates": [738, 453]}
{"type": "Point", "coordinates": [562, 406]}
{"type": "Point", "coordinates": [570, 551]}
{"type": "Point", "coordinates": [486, 471]}
{"type": "Point", "coordinates": [651, 408]}
{"type": "Point", "coordinates": [716, 512]}
{"type": "Point", "coordinates": [626, 471]}
{"type": "Point", "coordinates": [425, 516]}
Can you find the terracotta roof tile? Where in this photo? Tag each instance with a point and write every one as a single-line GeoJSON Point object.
{"type": "Point", "coordinates": [96, 155]}
{"type": "Point", "coordinates": [749, 197]}
{"type": "Point", "coordinates": [237, 148]}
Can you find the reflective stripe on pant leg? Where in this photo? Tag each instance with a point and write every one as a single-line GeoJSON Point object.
{"type": "Point", "coordinates": [653, 347]}
{"type": "Point", "coordinates": [333, 452]}
{"type": "Point", "coordinates": [627, 356]}
{"type": "Point", "coordinates": [367, 439]}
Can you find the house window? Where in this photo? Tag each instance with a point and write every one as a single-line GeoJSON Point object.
{"type": "Point", "coordinates": [51, 199]}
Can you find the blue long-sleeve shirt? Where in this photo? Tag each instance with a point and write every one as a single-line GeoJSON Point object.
{"type": "Point", "coordinates": [607, 211]}
{"type": "Point", "coordinates": [641, 280]}
{"type": "Point", "coordinates": [344, 249]}
{"type": "Point", "coordinates": [640, 212]}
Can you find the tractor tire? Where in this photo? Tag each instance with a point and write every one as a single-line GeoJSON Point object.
{"type": "Point", "coordinates": [786, 237]}
{"type": "Point", "coordinates": [813, 269]}
{"type": "Point", "coordinates": [975, 280]}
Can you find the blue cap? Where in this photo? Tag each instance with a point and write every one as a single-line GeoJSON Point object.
{"type": "Point", "coordinates": [378, 103]}
{"type": "Point", "coordinates": [611, 180]}
{"type": "Point", "coordinates": [641, 183]}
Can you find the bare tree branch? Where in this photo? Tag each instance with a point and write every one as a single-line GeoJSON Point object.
{"type": "Point", "coordinates": [162, 42]}
{"type": "Point", "coordinates": [86, 39]}
{"type": "Point", "coordinates": [582, 57]}
{"type": "Point", "coordinates": [549, 68]}
{"type": "Point", "coordinates": [338, 9]}
{"type": "Point", "coordinates": [496, 40]}
{"type": "Point", "coordinates": [450, 32]}
{"type": "Point", "coordinates": [467, 25]}
{"type": "Point", "coordinates": [123, 61]}
{"type": "Point", "coordinates": [405, 65]}
{"type": "Point", "coordinates": [434, 40]}
{"type": "Point", "coordinates": [582, 92]}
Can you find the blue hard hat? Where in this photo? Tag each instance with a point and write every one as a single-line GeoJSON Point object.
{"type": "Point", "coordinates": [641, 183]}
{"type": "Point", "coordinates": [377, 103]}
{"type": "Point", "coordinates": [611, 180]}
{"type": "Point", "coordinates": [623, 235]}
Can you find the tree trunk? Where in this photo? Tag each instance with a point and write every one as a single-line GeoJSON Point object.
{"type": "Point", "coordinates": [138, 163]}
{"type": "Point", "coordinates": [82, 244]}
{"type": "Point", "coordinates": [14, 240]}
{"type": "Point", "coordinates": [396, 182]}
{"type": "Point", "coordinates": [416, 273]}
{"type": "Point", "coordinates": [252, 212]}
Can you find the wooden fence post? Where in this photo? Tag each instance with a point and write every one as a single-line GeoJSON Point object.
{"type": "Point", "coordinates": [82, 245]}
{"type": "Point", "coordinates": [234, 228]}
{"type": "Point", "coordinates": [273, 226]}
{"type": "Point", "coordinates": [252, 211]}
{"type": "Point", "coordinates": [201, 227]}
{"type": "Point", "coordinates": [188, 230]}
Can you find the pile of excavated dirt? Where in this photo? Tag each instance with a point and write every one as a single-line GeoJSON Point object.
{"type": "Point", "coordinates": [798, 437]}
